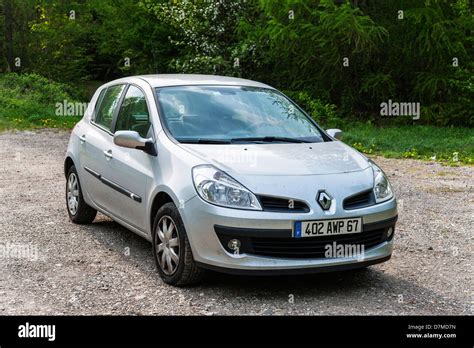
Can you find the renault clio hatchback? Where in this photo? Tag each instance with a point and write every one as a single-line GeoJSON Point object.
{"type": "Point", "coordinates": [226, 174]}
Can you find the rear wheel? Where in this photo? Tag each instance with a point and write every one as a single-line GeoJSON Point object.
{"type": "Point", "coordinates": [171, 249]}
{"type": "Point", "coordinates": [79, 211]}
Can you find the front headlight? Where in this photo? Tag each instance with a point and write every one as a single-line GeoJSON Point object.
{"type": "Point", "coordinates": [382, 189]}
{"type": "Point", "coordinates": [216, 187]}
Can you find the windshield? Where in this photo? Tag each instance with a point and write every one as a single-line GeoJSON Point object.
{"type": "Point", "coordinates": [228, 114]}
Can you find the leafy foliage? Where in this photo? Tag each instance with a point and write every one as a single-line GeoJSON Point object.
{"type": "Point", "coordinates": [353, 54]}
{"type": "Point", "coordinates": [80, 41]}
{"type": "Point", "coordinates": [203, 33]}
{"type": "Point", "coordinates": [29, 100]}
{"type": "Point", "coordinates": [321, 112]}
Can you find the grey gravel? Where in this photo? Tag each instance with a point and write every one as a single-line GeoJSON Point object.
{"type": "Point", "coordinates": [88, 269]}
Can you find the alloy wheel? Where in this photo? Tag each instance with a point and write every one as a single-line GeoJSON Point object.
{"type": "Point", "coordinates": [167, 245]}
{"type": "Point", "coordinates": [72, 194]}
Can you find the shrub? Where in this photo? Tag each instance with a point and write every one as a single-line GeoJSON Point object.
{"type": "Point", "coordinates": [322, 112]}
{"type": "Point", "coordinates": [30, 98]}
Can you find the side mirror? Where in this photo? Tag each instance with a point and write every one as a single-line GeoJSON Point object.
{"type": "Point", "coordinates": [133, 140]}
{"type": "Point", "coordinates": [335, 133]}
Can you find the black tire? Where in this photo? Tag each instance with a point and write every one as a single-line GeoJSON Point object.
{"type": "Point", "coordinates": [187, 271]}
{"type": "Point", "coordinates": [84, 214]}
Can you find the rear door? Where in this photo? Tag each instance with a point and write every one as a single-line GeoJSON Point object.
{"type": "Point", "coordinates": [96, 143]}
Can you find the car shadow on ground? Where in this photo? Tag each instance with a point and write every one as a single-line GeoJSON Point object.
{"type": "Point", "coordinates": [117, 238]}
{"type": "Point", "coordinates": [376, 289]}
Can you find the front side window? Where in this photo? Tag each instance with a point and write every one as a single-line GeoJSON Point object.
{"type": "Point", "coordinates": [233, 113]}
{"type": "Point", "coordinates": [108, 105]}
{"type": "Point", "coordinates": [133, 114]}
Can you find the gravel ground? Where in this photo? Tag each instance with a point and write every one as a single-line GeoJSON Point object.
{"type": "Point", "coordinates": [104, 269]}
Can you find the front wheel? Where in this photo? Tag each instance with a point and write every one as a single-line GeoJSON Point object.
{"type": "Point", "coordinates": [171, 249]}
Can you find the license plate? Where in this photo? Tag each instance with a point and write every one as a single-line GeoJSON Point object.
{"type": "Point", "coordinates": [327, 227]}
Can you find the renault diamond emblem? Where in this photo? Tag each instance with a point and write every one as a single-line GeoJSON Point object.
{"type": "Point", "coordinates": [324, 199]}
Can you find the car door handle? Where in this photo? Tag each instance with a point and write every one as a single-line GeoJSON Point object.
{"type": "Point", "coordinates": [82, 138]}
{"type": "Point", "coordinates": [108, 154]}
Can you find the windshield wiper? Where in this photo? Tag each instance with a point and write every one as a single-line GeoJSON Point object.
{"type": "Point", "coordinates": [267, 139]}
{"type": "Point", "coordinates": [202, 141]}
{"type": "Point", "coordinates": [270, 139]}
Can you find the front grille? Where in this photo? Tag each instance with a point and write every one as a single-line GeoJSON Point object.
{"type": "Point", "coordinates": [283, 205]}
{"type": "Point", "coordinates": [311, 247]}
{"type": "Point", "coordinates": [359, 200]}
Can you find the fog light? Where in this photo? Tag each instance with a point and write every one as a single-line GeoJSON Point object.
{"type": "Point", "coordinates": [389, 232]}
{"type": "Point", "coordinates": [234, 244]}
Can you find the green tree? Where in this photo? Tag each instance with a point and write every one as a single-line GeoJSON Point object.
{"type": "Point", "coordinates": [204, 33]}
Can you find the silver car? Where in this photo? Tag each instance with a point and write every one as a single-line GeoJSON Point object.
{"type": "Point", "coordinates": [226, 174]}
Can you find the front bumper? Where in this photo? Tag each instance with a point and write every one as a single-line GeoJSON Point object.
{"type": "Point", "coordinates": [201, 220]}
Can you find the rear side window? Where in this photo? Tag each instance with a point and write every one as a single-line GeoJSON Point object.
{"type": "Point", "coordinates": [133, 114]}
{"type": "Point", "coordinates": [108, 105]}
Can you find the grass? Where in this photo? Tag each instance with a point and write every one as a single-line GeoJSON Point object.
{"type": "Point", "coordinates": [449, 145]}
{"type": "Point", "coordinates": [38, 122]}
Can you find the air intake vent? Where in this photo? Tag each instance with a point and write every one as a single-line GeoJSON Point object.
{"type": "Point", "coordinates": [313, 247]}
{"type": "Point", "coordinates": [283, 205]}
{"type": "Point", "coordinates": [359, 200]}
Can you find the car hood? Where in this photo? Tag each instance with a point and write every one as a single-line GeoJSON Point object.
{"type": "Point", "coordinates": [331, 157]}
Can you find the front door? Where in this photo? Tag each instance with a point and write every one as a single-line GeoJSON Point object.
{"type": "Point", "coordinates": [129, 170]}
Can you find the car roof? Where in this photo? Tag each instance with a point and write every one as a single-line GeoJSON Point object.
{"type": "Point", "coordinates": [164, 80]}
